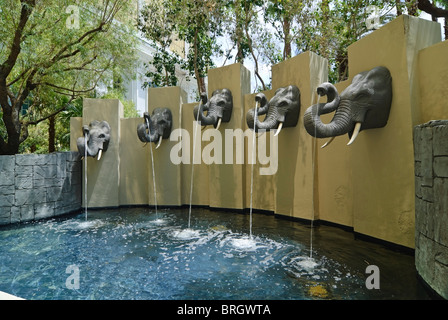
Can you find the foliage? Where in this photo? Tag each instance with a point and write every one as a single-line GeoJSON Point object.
{"type": "Point", "coordinates": [129, 108]}
{"type": "Point", "coordinates": [44, 56]}
{"type": "Point", "coordinates": [195, 22]}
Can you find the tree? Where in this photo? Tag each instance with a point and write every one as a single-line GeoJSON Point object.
{"type": "Point", "coordinates": [49, 47]}
{"type": "Point", "coordinates": [157, 25]}
{"type": "Point", "coordinates": [281, 14]}
{"type": "Point", "coordinates": [195, 22]}
{"type": "Point", "coordinates": [331, 26]}
{"type": "Point", "coordinates": [437, 9]}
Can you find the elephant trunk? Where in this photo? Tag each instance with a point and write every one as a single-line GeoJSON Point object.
{"type": "Point", "coordinates": [339, 125]}
{"type": "Point", "coordinates": [270, 122]}
{"type": "Point", "coordinates": [86, 151]}
{"type": "Point", "coordinates": [341, 122]}
{"type": "Point", "coordinates": [146, 132]}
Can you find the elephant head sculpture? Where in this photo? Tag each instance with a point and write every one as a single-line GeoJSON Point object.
{"type": "Point", "coordinates": [364, 104]}
{"type": "Point", "coordinates": [156, 127]}
{"type": "Point", "coordinates": [218, 108]}
{"type": "Point", "coordinates": [281, 111]}
{"type": "Point", "coordinates": [96, 139]}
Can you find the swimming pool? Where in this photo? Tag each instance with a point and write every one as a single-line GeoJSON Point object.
{"type": "Point", "coordinates": [135, 253]}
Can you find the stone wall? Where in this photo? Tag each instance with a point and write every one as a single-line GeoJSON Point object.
{"type": "Point", "coordinates": [431, 204]}
{"type": "Point", "coordinates": [36, 186]}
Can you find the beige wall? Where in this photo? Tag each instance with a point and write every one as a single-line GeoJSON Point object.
{"type": "Point", "coordinates": [167, 174]}
{"type": "Point", "coordinates": [264, 186]}
{"type": "Point", "coordinates": [134, 159]}
{"type": "Point", "coordinates": [226, 181]}
{"type": "Point", "coordinates": [296, 196]}
{"type": "Point", "coordinates": [370, 184]}
{"type": "Point", "coordinates": [103, 176]}
{"type": "Point", "coordinates": [433, 80]}
{"type": "Point", "coordinates": [335, 176]}
{"type": "Point", "coordinates": [200, 194]}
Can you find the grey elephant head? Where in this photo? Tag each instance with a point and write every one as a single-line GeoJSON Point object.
{"type": "Point", "coordinates": [96, 139]}
{"type": "Point", "coordinates": [218, 108]}
{"type": "Point", "coordinates": [281, 111]}
{"type": "Point", "coordinates": [156, 127]}
{"type": "Point", "coordinates": [364, 104]}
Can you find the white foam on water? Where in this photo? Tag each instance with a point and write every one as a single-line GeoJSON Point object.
{"type": "Point", "coordinates": [90, 224]}
{"type": "Point", "coordinates": [159, 222]}
{"type": "Point", "coordinates": [186, 234]}
{"type": "Point", "coordinates": [244, 243]}
{"type": "Point", "coordinates": [307, 263]}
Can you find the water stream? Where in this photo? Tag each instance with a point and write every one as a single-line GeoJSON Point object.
{"type": "Point", "coordinates": [85, 175]}
{"type": "Point", "coordinates": [196, 124]}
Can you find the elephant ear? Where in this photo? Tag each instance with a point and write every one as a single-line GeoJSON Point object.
{"type": "Point", "coordinates": [105, 127]}
{"type": "Point", "coordinates": [378, 87]}
{"type": "Point", "coordinates": [228, 106]}
{"type": "Point", "coordinates": [167, 115]}
{"type": "Point", "coordinates": [86, 131]}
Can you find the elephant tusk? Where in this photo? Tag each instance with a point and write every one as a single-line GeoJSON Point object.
{"type": "Point", "coordinates": [100, 152]}
{"type": "Point", "coordinates": [160, 141]}
{"type": "Point", "coordinates": [219, 123]}
{"type": "Point", "coordinates": [355, 133]}
{"type": "Point", "coordinates": [328, 142]}
{"type": "Point", "coordinates": [280, 126]}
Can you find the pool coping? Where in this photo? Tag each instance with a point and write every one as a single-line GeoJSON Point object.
{"type": "Point", "coordinates": [7, 296]}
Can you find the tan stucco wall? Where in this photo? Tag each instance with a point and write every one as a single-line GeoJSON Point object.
{"type": "Point", "coordinates": [134, 159]}
{"type": "Point", "coordinates": [168, 175]}
{"type": "Point", "coordinates": [381, 162]}
{"type": "Point", "coordinates": [227, 181]}
{"type": "Point", "coordinates": [200, 194]}
{"type": "Point", "coordinates": [264, 186]}
{"type": "Point", "coordinates": [103, 176]}
{"type": "Point", "coordinates": [335, 175]}
{"type": "Point", "coordinates": [433, 80]}
{"type": "Point", "coordinates": [296, 196]}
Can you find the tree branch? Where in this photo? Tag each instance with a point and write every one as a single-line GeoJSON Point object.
{"type": "Point", "coordinates": [429, 8]}
{"type": "Point", "coordinates": [6, 67]}
{"type": "Point", "coordinates": [50, 115]}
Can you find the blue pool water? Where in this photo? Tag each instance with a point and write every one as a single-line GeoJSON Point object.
{"type": "Point", "coordinates": [136, 254]}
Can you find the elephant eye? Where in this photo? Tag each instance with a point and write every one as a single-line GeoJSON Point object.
{"type": "Point", "coordinates": [101, 136]}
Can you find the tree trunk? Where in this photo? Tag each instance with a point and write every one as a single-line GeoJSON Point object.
{"type": "Point", "coordinates": [238, 34]}
{"type": "Point", "coordinates": [51, 134]}
{"type": "Point", "coordinates": [13, 129]}
{"type": "Point", "coordinates": [286, 31]}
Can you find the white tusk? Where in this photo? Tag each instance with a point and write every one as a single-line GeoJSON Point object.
{"type": "Point", "coordinates": [280, 126]}
{"type": "Point", "coordinates": [355, 133]}
{"type": "Point", "coordinates": [99, 154]}
{"type": "Point", "coordinates": [219, 123]}
{"type": "Point", "coordinates": [160, 141]}
{"type": "Point", "coordinates": [328, 142]}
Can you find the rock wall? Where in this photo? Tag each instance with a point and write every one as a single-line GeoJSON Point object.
{"type": "Point", "coordinates": [36, 186]}
{"type": "Point", "coordinates": [431, 204]}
